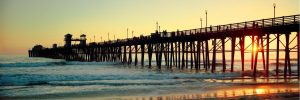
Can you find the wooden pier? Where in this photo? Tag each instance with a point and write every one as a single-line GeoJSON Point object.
{"type": "Point", "coordinates": [191, 49]}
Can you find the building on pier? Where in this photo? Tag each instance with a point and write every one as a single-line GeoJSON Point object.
{"type": "Point", "coordinates": [69, 39]}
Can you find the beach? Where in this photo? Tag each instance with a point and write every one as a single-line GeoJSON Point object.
{"type": "Point", "coordinates": [26, 78]}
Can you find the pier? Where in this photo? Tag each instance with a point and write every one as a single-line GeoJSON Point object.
{"type": "Point", "coordinates": [194, 48]}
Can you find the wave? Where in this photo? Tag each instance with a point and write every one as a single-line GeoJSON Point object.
{"type": "Point", "coordinates": [84, 83]}
{"type": "Point", "coordinates": [53, 63]}
{"type": "Point", "coordinates": [32, 64]}
{"type": "Point", "coordinates": [107, 80]}
{"type": "Point", "coordinates": [88, 83]}
{"type": "Point", "coordinates": [91, 63]}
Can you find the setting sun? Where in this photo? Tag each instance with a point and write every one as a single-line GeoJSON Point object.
{"type": "Point", "coordinates": [259, 91]}
{"type": "Point", "coordinates": [255, 49]}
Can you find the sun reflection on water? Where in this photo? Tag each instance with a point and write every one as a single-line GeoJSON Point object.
{"type": "Point", "coordinates": [240, 91]}
{"type": "Point", "coordinates": [259, 91]}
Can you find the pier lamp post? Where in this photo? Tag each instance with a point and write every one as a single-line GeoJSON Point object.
{"type": "Point", "coordinates": [132, 34]}
{"type": "Point", "coordinates": [156, 25]}
{"type": "Point", "coordinates": [127, 33]}
{"type": "Point", "coordinates": [206, 17]}
{"type": "Point", "coordinates": [274, 5]}
{"type": "Point", "coordinates": [158, 29]}
{"type": "Point", "coordinates": [201, 22]}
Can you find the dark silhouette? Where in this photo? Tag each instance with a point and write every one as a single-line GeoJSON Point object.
{"type": "Point", "coordinates": [194, 42]}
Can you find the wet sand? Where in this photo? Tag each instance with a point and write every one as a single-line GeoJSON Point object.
{"type": "Point", "coordinates": [258, 91]}
{"type": "Point", "coordinates": [236, 90]}
{"type": "Point", "coordinates": [287, 91]}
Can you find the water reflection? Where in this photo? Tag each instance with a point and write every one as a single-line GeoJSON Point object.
{"type": "Point", "coordinates": [239, 92]}
{"type": "Point", "coordinates": [249, 80]}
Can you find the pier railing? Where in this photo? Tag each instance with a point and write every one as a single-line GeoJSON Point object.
{"type": "Point", "coordinates": [190, 48]}
{"type": "Point", "coordinates": [263, 23]}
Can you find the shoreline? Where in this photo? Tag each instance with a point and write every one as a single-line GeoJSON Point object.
{"type": "Point", "coordinates": [234, 91]}
{"type": "Point", "coordinates": [241, 91]}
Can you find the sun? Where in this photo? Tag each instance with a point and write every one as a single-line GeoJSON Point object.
{"type": "Point", "coordinates": [259, 91]}
{"type": "Point", "coordinates": [255, 49]}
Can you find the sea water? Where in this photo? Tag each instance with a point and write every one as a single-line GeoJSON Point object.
{"type": "Point", "coordinates": [24, 77]}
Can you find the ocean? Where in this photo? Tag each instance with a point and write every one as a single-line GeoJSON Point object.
{"type": "Point", "coordinates": [22, 77]}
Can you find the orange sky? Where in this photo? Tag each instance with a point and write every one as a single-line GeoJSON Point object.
{"type": "Point", "coordinates": [24, 23]}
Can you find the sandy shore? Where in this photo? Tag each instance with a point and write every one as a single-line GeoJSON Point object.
{"type": "Point", "coordinates": [236, 89]}
{"type": "Point", "coordinates": [288, 91]}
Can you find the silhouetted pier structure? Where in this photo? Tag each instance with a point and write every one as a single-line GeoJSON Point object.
{"type": "Point", "coordinates": [190, 48]}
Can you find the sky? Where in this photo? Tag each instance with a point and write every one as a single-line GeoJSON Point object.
{"type": "Point", "coordinates": [25, 23]}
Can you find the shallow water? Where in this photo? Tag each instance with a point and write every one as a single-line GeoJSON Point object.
{"type": "Point", "coordinates": [23, 77]}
